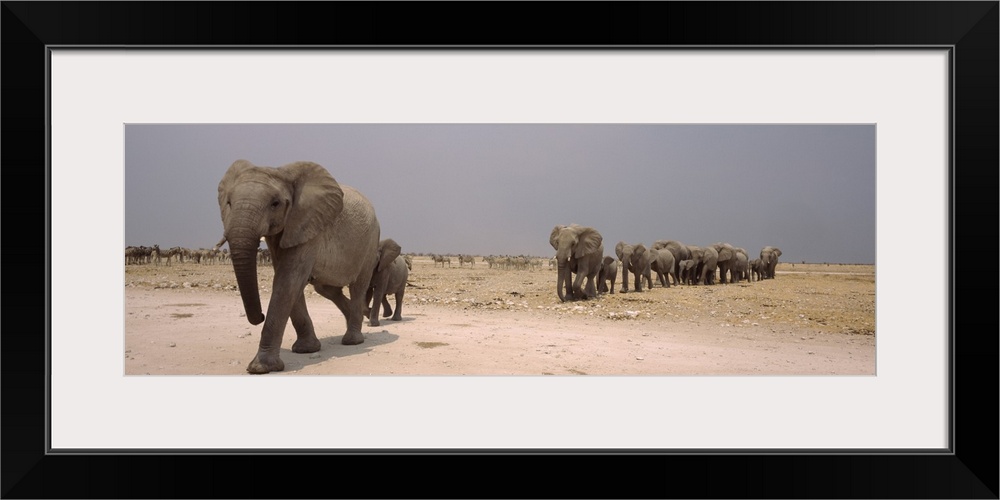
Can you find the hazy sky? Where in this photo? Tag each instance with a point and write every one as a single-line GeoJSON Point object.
{"type": "Point", "coordinates": [500, 189]}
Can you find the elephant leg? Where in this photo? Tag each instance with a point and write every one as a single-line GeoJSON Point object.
{"type": "Point", "coordinates": [591, 289]}
{"type": "Point", "coordinates": [283, 300]}
{"type": "Point", "coordinates": [638, 282]}
{"type": "Point", "coordinates": [624, 280]}
{"type": "Point", "coordinates": [335, 295]}
{"type": "Point", "coordinates": [578, 286]}
{"type": "Point", "coordinates": [306, 340]}
{"type": "Point", "coordinates": [398, 315]}
{"type": "Point", "coordinates": [368, 299]}
{"type": "Point", "coordinates": [355, 315]}
{"type": "Point", "coordinates": [377, 302]}
{"type": "Point", "coordinates": [352, 309]}
{"type": "Point", "coordinates": [386, 307]}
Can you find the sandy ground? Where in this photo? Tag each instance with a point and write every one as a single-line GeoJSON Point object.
{"type": "Point", "coordinates": [812, 319]}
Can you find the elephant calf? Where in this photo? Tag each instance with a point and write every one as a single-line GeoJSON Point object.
{"type": "Point", "coordinates": [687, 268]}
{"type": "Point", "coordinates": [609, 271]}
{"type": "Point", "coordinates": [388, 278]}
{"type": "Point", "coordinates": [398, 272]}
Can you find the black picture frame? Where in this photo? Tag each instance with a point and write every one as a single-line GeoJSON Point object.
{"type": "Point", "coordinates": [970, 29]}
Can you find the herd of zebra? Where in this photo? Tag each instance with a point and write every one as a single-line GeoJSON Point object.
{"type": "Point", "coordinates": [157, 256]}
{"type": "Point", "coordinates": [520, 262]}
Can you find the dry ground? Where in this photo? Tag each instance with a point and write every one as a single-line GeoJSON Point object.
{"type": "Point", "coordinates": [187, 319]}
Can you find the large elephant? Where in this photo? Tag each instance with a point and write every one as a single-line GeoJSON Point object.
{"type": "Point", "coordinates": [318, 231]}
{"type": "Point", "coordinates": [679, 250]}
{"type": "Point", "coordinates": [609, 271]}
{"type": "Point", "coordinates": [741, 266]}
{"type": "Point", "coordinates": [708, 266]}
{"type": "Point", "coordinates": [635, 259]}
{"type": "Point", "coordinates": [580, 250]}
{"type": "Point", "coordinates": [388, 277]}
{"type": "Point", "coordinates": [663, 263]}
{"type": "Point", "coordinates": [727, 257]}
{"type": "Point", "coordinates": [769, 260]}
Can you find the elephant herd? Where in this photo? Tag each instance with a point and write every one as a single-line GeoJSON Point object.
{"type": "Point", "coordinates": [321, 232]}
{"type": "Point", "coordinates": [580, 253]}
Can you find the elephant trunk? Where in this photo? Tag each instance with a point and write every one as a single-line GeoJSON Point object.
{"type": "Point", "coordinates": [562, 282]}
{"type": "Point", "coordinates": [243, 253]}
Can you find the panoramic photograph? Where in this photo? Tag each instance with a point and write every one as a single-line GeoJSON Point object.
{"type": "Point", "coordinates": [500, 249]}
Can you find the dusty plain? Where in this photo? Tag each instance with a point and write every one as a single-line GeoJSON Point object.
{"type": "Point", "coordinates": [812, 319]}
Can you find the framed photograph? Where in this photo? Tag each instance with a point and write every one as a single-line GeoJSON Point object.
{"type": "Point", "coordinates": [867, 116]}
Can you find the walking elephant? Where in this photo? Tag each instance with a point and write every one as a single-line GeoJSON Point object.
{"type": "Point", "coordinates": [663, 263]}
{"type": "Point", "coordinates": [741, 267]}
{"type": "Point", "coordinates": [635, 259]}
{"type": "Point", "coordinates": [769, 260]}
{"type": "Point", "coordinates": [388, 278]}
{"type": "Point", "coordinates": [697, 255]}
{"type": "Point", "coordinates": [318, 231]}
{"type": "Point", "coordinates": [679, 251]}
{"type": "Point", "coordinates": [580, 250]}
{"type": "Point", "coordinates": [727, 257]}
{"type": "Point", "coordinates": [709, 263]}
{"type": "Point", "coordinates": [687, 268]}
{"type": "Point", "coordinates": [608, 272]}
{"type": "Point", "coordinates": [756, 269]}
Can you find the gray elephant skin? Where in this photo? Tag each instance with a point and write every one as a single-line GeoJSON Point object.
{"type": "Point", "coordinates": [318, 231]}
{"type": "Point", "coordinates": [389, 278]}
{"type": "Point", "coordinates": [579, 250]}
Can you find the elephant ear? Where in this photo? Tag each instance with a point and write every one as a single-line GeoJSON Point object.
{"type": "Point", "coordinates": [725, 253]}
{"type": "Point", "coordinates": [589, 242]}
{"type": "Point", "coordinates": [777, 253]}
{"type": "Point", "coordinates": [317, 200]}
{"type": "Point", "coordinates": [554, 237]}
{"type": "Point", "coordinates": [388, 250]}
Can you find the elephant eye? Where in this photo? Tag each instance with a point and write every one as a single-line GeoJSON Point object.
{"type": "Point", "coordinates": [275, 203]}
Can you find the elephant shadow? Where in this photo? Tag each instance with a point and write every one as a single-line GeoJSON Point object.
{"type": "Point", "coordinates": [332, 348]}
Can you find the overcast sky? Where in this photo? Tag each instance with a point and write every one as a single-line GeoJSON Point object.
{"type": "Point", "coordinates": [500, 189]}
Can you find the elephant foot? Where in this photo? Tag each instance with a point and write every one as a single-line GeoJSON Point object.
{"type": "Point", "coordinates": [354, 338]}
{"type": "Point", "coordinates": [306, 345]}
{"type": "Point", "coordinates": [265, 364]}
{"type": "Point", "coordinates": [371, 322]}
{"type": "Point", "coordinates": [397, 316]}
{"type": "Point", "coordinates": [387, 313]}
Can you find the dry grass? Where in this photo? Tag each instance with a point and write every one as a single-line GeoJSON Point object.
{"type": "Point", "coordinates": [827, 297]}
